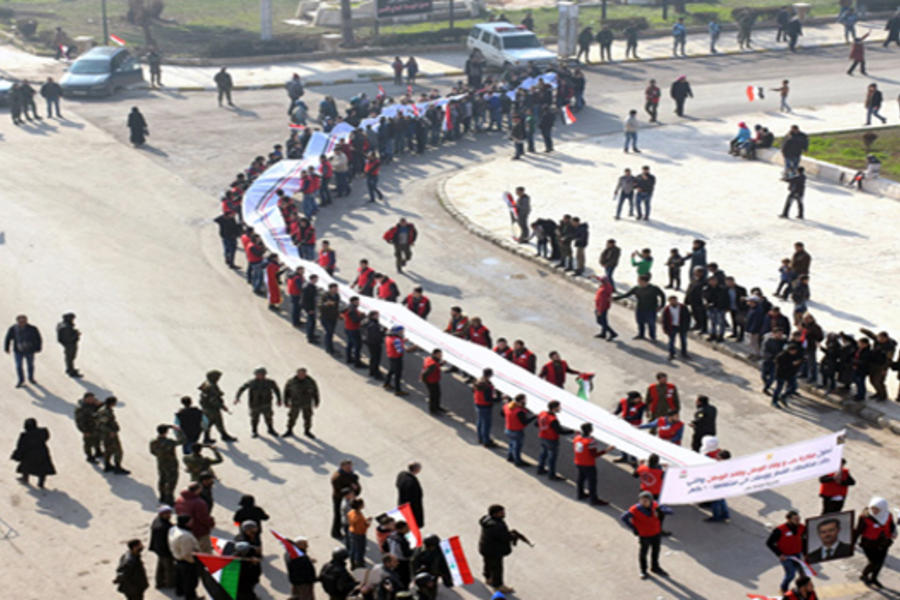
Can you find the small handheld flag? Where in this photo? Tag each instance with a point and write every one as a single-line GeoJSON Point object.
{"type": "Point", "coordinates": [404, 513]}
{"type": "Point", "coordinates": [221, 575]}
{"type": "Point", "coordinates": [381, 91]}
{"type": "Point", "coordinates": [585, 383]}
{"type": "Point", "coordinates": [448, 118]}
{"type": "Point", "coordinates": [750, 93]}
{"type": "Point", "coordinates": [292, 549]}
{"type": "Point", "coordinates": [415, 109]}
{"type": "Point", "coordinates": [456, 561]}
{"type": "Point", "coordinates": [117, 40]}
{"type": "Point", "coordinates": [511, 205]}
{"type": "Point", "coordinates": [807, 570]}
{"type": "Point", "coordinates": [218, 544]}
{"type": "Point", "coordinates": [568, 115]}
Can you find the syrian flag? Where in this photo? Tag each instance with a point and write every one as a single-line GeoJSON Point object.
{"type": "Point", "coordinates": [511, 205]}
{"type": "Point", "coordinates": [448, 119]}
{"type": "Point", "coordinates": [456, 561]}
{"type": "Point", "coordinates": [220, 575]}
{"type": "Point", "coordinates": [585, 383]}
{"type": "Point", "coordinates": [404, 513]}
{"type": "Point", "coordinates": [292, 549]}
{"type": "Point", "coordinates": [218, 544]}
{"type": "Point", "coordinates": [117, 40]}
{"type": "Point", "coordinates": [381, 91]}
{"type": "Point", "coordinates": [297, 126]}
{"type": "Point", "coordinates": [760, 597]}
{"type": "Point", "coordinates": [568, 116]}
{"type": "Point", "coordinates": [807, 570]}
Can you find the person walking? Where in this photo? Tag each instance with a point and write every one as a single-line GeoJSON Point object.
{"type": "Point", "coordinates": [32, 454]}
{"type": "Point", "coordinates": [631, 41]}
{"type": "Point", "coordinates": [294, 89]}
{"type": "Point", "coordinates": [679, 37]}
{"type": "Point", "coordinates": [786, 542]}
{"type": "Point", "coordinates": [893, 28]}
{"type": "Point", "coordinates": [624, 191]}
{"type": "Point", "coordinates": [609, 258]}
{"type": "Point", "coordinates": [796, 189]}
{"type": "Point", "coordinates": [402, 236]}
{"type": "Point", "coordinates": [212, 404]}
{"type": "Point", "coordinates": [301, 394]}
{"type": "Point", "coordinates": [631, 131]}
{"type": "Point", "coordinates": [154, 61]}
{"type": "Point", "coordinates": [602, 303]}
{"type": "Point", "coordinates": [875, 532]}
{"type": "Point", "coordinates": [644, 183]}
{"type": "Point", "coordinates": [549, 431]}
{"type": "Point", "coordinates": [652, 95]}
{"type": "Point", "coordinates": [834, 488]}
{"type": "Point", "coordinates": [645, 521]}
{"type": "Point", "coordinates": [676, 321]}
{"type": "Point", "coordinates": [873, 102]}
{"type": "Point", "coordinates": [137, 125]}
{"type": "Point", "coordinates": [649, 299]}
{"type": "Point", "coordinates": [792, 148]}
{"type": "Point", "coordinates": [409, 491]}
{"type": "Point", "coordinates": [858, 55]}
{"type": "Point", "coordinates": [586, 452]}
{"type": "Point", "coordinates": [371, 169]}
{"type": "Point", "coordinates": [584, 45]}
{"type": "Point", "coordinates": [224, 84]}
{"type": "Point", "coordinates": [163, 448]}
{"type": "Point", "coordinates": [680, 91]}
{"type": "Point", "coordinates": [494, 544]}
{"type": "Point", "coordinates": [431, 377]}
{"type": "Point", "coordinates": [131, 577]}
{"type": "Point", "coordinates": [547, 120]}
{"type": "Point", "coordinates": [67, 335]}
{"type": "Point", "coordinates": [51, 92]}
{"type": "Point", "coordinates": [395, 348]}
{"type": "Point", "coordinates": [714, 31]}
{"type": "Point", "coordinates": [703, 423]}
{"type": "Point", "coordinates": [25, 341]}
{"type": "Point", "coordinates": [159, 545]}
{"type": "Point", "coordinates": [794, 30]}
{"type": "Point", "coordinates": [260, 390]}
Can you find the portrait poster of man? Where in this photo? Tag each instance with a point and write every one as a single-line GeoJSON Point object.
{"type": "Point", "coordinates": [829, 537]}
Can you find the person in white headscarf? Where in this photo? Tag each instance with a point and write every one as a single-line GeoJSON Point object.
{"type": "Point", "coordinates": [709, 446]}
{"type": "Point", "coordinates": [875, 532]}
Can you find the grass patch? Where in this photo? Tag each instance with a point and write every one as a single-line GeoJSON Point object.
{"type": "Point", "coordinates": [846, 149]}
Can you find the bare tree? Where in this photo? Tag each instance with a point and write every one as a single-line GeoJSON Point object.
{"type": "Point", "coordinates": [346, 24]}
{"type": "Point", "coordinates": [138, 14]}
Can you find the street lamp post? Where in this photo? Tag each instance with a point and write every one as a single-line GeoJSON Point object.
{"type": "Point", "coordinates": [265, 20]}
{"type": "Point", "coordinates": [105, 25]}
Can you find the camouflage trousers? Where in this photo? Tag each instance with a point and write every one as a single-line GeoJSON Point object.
{"type": "Point", "coordinates": [167, 480]}
{"type": "Point", "coordinates": [215, 420]}
{"type": "Point", "coordinates": [112, 449]}
{"type": "Point", "coordinates": [256, 411]}
{"type": "Point", "coordinates": [91, 443]}
{"type": "Point", "coordinates": [295, 411]}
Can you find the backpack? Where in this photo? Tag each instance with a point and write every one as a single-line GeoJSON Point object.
{"type": "Point", "coordinates": [328, 577]}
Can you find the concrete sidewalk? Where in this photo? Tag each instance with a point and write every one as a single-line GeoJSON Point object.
{"type": "Point", "coordinates": [344, 70]}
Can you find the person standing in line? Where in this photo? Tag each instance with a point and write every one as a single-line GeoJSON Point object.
{"type": "Point", "coordinates": [184, 545]}
{"type": "Point", "coordinates": [602, 303]}
{"type": "Point", "coordinates": [431, 377]}
{"type": "Point", "coordinates": [67, 335]}
{"type": "Point", "coordinates": [679, 37]}
{"type": "Point", "coordinates": [609, 258]}
{"type": "Point", "coordinates": [395, 348]}
{"type": "Point", "coordinates": [858, 55]}
{"type": "Point", "coordinates": [301, 394]}
{"type": "Point", "coordinates": [345, 478]}
{"type": "Point", "coordinates": [796, 189]}
{"type": "Point", "coordinates": [353, 319]}
{"type": "Point", "coordinates": [644, 184]}
{"type": "Point", "coordinates": [834, 488]}
{"type": "Point", "coordinates": [547, 120]}
{"type": "Point", "coordinates": [516, 418]}
{"type": "Point", "coordinates": [703, 423]}
{"type": "Point", "coordinates": [674, 264]}
{"type": "Point", "coordinates": [309, 304]}
{"type": "Point", "coordinates": [631, 131]}
{"type": "Point", "coordinates": [159, 545]}
{"type": "Point", "coordinates": [523, 211]}
{"type": "Point", "coordinates": [131, 577]}
{"type": "Point", "coordinates": [783, 92]}
{"type": "Point", "coordinates": [229, 231]}
{"type": "Point", "coordinates": [163, 448]}
{"type": "Point", "coordinates": [373, 334]}
{"type": "Point", "coordinates": [874, 98]}
{"type": "Point", "coordinates": [25, 341]}
{"type": "Point", "coordinates": [580, 241]}
{"type": "Point", "coordinates": [484, 397]}
{"type": "Point", "coordinates": [224, 84]}
{"type": "Point", "coordinates": [605, 40]}
{"type": "Point", "coordinates": [154, 61]}
{"type": "Point", "coordinates": [52, 92]}
{"type": "Point", "coordinates": [716, 298]}
{"type": "Point", "coordinates": [680, 91]}
{"type": "Point", "coordinates": [586, 452]}
{"type": "Point", "coordinates": [631, 41]}
{"type": "Point", "coordinates": [649, 300]}
{"type": "Point", "coordinates": [652, 95]}
{"type": "Point", "coordinates": [549, 430]}
{"type": "Point", "coordinates": [644, 521]}
{"type": "Point", "coordinates": [295, 282]}
{"type": "Point", "coordinates": [714, 31]}
{"type": "Point", "coordinates": [371, 169]}
{"type": "Point", "coordinates": [786, 542]}
{"type": "Point", "coordinates": [32, 454]}
{"type": "Point", "coordinates": [327, 258]}
{"type": "Point", "coordinates": [624, 191]}
{"type": "Point", "coordinates": [409, 491]}
{"type": "Point", "coordinates": [875, 531]}
{"type": "Point", "coordinates": [495, 543]}
{"type": "Point", "coordinates": [676, 323]}
{"type": "Point", "coordinates": [787, 365]}
{"type": "Point", "coordinates": [108, 427]}
{"type": "Point", "coordinates": [329, 311]}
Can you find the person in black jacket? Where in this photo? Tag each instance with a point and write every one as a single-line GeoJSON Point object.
{"type": "Point", "coordinates": [704, 422]}
{"type": "Point", "coordinates": [693, 297]}
{"type": "Point", "coordinates": [32, 453]}
{"type": "Point", "coordinates": [716, 299]}
{"type": "Point", "coordinates": [68, 336]}
{"type": "Point", "coordinates": [229, 231]}
{"type": "Point", "coordinates": [131, 578]}
{"type": "Point", "coordinates": [680, 91]}
{"type": "Point", "coordinates": [159, 545]}
{"type": "Point", "coordinates": [249, 511]}
{"type": "Point", "coordinates": [796, 189]}
{"type": "Point", "coordinates": [373, 334]}
{"type": "Point", "coordinates": [862, 366]}
{"type": "Point", "coordinates": [428, 558]}
{"type": "Point", "coordinates": [301, 572]}
{"type": "Point", "coordinates": [792, 148]}
{"type": "Point", "coordinates": [190, 420]}
{"type": "Point", "coordinates": [335, 578]}
{"type": "Point", "coordinates": [51, 92]}
{"type": "Point", "coordinates": [495, 543]}
{"type": "Point", "coordinates": [548, 118]}
{"type": "Point", "coordinates": [25, 341]}
{"type": "Point", "coordinates": [649, 300]}
{"type": "Point", "coordinates": [787, 363]}
{"type": "Point", "coordinates": [409, 490]}
{"type": "Point", "coordinates": [398, 545]}
{"type": "Point", "coordinates": [308, 304]}
{"type": "Point", "coordinates": [580, 241]}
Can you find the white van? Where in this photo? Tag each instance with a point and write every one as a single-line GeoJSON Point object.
{"type": "Point", "coordinates": [504, 44]}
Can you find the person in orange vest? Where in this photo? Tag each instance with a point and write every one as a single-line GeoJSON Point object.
{"type": "Point", "coordinates": [402, 236]}
{"type": "Point", "coordinates": [517, 417]}
{"type": "Point", "coordinates": [875, 531]}
{"type": "Point", "coordinates": [294, 289]}
{"type": "Point", "coordinates": [306, 239]}
{"type": "Point", "coordinates": [586, 453]}
{"type": "Point", "coordinates": [502, 349]}
{"type": "Point", "coordinates": [371, 169]}
{"type": "Point", "coordinates": [387, 289]}
{"type": "Point", "coordinates": [524, 357]}
{"type": "Point", "coordinates": [631, 408]}
{"type": "Point", "coordinates": [484, 396]}
{"type": "Point", "coordinates": [651, 475]}
{"type": "Point", "coordinates": [803, 590]}
{"type": "Point", "coordinates": [644, 519]}
{"type": "Point", "coordinates": [431, 377]}
{"type": "Point", "coordinates": [477, 333]}
{"type": "Point", "coordinates": [662, 397]}
{"type": "Point", "coordinates": [669, 428]}
{"type": "Point", "coordinates": [365, 279]}
{"type": "Point", "coordinates": [786, 542]}
{"type": "Point", "coordinates": [273, 281]}
{"type": "Point", "coordinates": [833, 489]}
{"type": "Point", "coordinates": [395, 348]}
{"type": "Point", "coordinates": [555, 370]}
{"type": "Point", "coordinates": [327, 258]}
{"type": "Point", "coordinates": [353, 319]}
{"type": "Point", "coordinates": [246, 240]}
{"type": "Point", "coordinates": [549, 430]}
{"type": "Point", "coordinates": [418, 302]}
{"type": "Point", "coordinates": [458, 323]}
{"type": "Point", "coordinates": [255, 252]}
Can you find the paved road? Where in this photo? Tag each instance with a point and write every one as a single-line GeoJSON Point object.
{"type": "Point", "coordinates": [124, 237]}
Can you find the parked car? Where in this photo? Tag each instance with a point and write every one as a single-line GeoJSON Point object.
{"type": "Point", "coordinates": [5, 87]}
{"type": "Point", "coordinates": [101, 71]}
{"type": "Point", "coordinates": [505, 45]}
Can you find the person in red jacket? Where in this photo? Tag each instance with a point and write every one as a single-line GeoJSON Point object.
{"type": "Point", "coordinates": [485, 396]}
{"type": "Point", "coordinates": [387, 288]}
{"type": "Point", "coordinates": [371, 169]}
{"type": "Point", "coordinates": [477, 333]}
{"type": "Point", "coordinates": [325, 173]}
{"type": "Point", "coordinates": [365, 279]}
{"type": "Point", "coordinates": [833, 489]}
{"type": "Point", "coordinates": [555, 370]}
{"type": "Point", "coordinates": [294, 291]}
{"type": "Point", "coordinates": [524, 357]}
{"type": "Point", "coordinates": [516, 418]}
{"type": "Point", "coordinates": [586, 453]}
{"type": "Point", "coordinates": [549, 430]}
{"type": "Point", "coordinates": [306, 239]}
{"type": "Point", "coordinates": [418, 302]}
{"type": "Point", "coordinates": [662, 397]}
{"type": "Point", "coordinates": [327, 258]}
{"type": "Point", "coordinates": [458, 323]}
{"type": "Point", "coordinates": [273, 281]}
{"type": "Point", "coordinates": [255, 251]}
{"type": "Point", "coordinates": [651, 475]}
{"type": "Point", "coordinates": [353, 319]}
{"type": "Point", "coordinates": [502, 349]}
{"type": "Point", "coordinates": [786, 542]}
{"type": "Point", "coordinates": [645, 520]}
{"type": "Point", "coordinates": [431, 377]}
{"type": "Point", "coordinates": [192, 504]}
{"type": "Point", "coordinates": [402, 236]}
{"type": "Point", "coordinates": [669, 428]}
{"type": "Point", "coordinates": [875, 531]}
{"type": "Point", "coordinates": [395, 348]}
{"type": "Point", "coordinates": [602, 302]}
{"type": "Point", "coordinates": [803, 590]}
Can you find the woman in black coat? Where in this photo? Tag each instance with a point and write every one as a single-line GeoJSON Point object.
{"type": "Point", "coordinates": [32, 453]}
{"type": "Point", "coordinates": [138, 127]}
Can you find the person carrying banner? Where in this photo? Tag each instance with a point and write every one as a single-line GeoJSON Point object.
{"type": "Point", "coordinates": [516, 418]}
{"type": "Point", "coordinates": [786, 542]}
{"type": "Point", "coordinates": [554, 371]}
{"type": "Point", "coordinates": [644, 519]}
{"type": "Point", "coordinates": [662, 397]}
{"type": "Point", "coordinates": [586, 453]}
{"type": "Point", "coordinates": [431, 377]}
{"type": "Point", "coordinates": [418, 302]}
{"type": "Point", "coordinates": [549, 430]}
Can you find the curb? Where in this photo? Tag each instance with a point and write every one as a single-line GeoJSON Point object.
{"type": "Point", "coordinates": [868, 413]}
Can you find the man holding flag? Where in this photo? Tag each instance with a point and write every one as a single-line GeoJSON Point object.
{"type": "Point", "coordinates": [522, 205]}
{"type": "Point", "coordinates": [786, 542]}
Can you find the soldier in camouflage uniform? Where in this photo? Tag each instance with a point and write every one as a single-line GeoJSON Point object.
{"type": "Point", "coordinates": [301, 393]}
{"type": "Point", "coordinates": [163, 448]}
{"type": "Point", "coordinates": [261, 390]}
{"type": "Point", "coordinates": [195, 463]}
{"type": "Point", "coordinates": [86, 422]}
{"type": "Point", "coordinates": [109, 437]}
{"type": "Point", "coordinates": [212, 404]}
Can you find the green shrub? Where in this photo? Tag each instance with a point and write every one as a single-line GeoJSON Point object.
{"type": "Point", "coordinates": [27, 27]}
{"type": "Point", "coordinates": [6, 13]}
{"type": "Point", "coordinates": [621, 24]}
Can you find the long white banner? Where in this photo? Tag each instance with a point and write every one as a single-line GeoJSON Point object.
{"type": "Point", "coordinates": [755, 472]}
